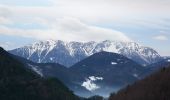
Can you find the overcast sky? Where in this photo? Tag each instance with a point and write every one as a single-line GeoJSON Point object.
{"type": "Point", "coordinates": [146, 22]}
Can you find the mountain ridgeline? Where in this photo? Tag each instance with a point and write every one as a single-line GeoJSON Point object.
{"type": "Point", "coordinates": [69, 53]}
{"type": "Point", "coordinates": [19, 83]}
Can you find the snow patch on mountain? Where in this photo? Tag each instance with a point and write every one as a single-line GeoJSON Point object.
{"type": "Point", "coordinates": [51, 58]}
{"type": "Point", "coordinates": [36, 69]}
{"type": "Point", "coordinates": [89, 83]}
{"type": "Point", "coordinates": [114, 63]}
{"type": "Point", "coordinates": [168, 60]}
{"type": "Point", "coordinates": [135, 75]}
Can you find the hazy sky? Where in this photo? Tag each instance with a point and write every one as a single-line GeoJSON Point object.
{"type": "Point", "coordinates": [144, 21]}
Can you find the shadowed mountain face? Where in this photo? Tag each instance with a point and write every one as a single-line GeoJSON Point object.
{"type": "Point", "coordinates": [105, 62]}
{"type": "Point", "coordinates": [155, 67]}
{"type": "Point", "coordinates": [154, 87]}
{"type": "Point", "coordinates": [19, 83]}
{"type": "Point", "coordinates": [107, 72]}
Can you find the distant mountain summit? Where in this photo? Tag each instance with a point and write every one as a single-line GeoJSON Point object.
{"type": "Point", "coordinates": [69, 53]}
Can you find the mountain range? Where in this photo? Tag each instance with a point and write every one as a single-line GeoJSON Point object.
{"type": "Point", "coordinates": [69, 53]}
{"type": "Point", "coordinates": [98, 74]}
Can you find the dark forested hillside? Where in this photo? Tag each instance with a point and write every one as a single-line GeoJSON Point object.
{"type": "Point", "coordinates": [18, 83]}
{"type": "Point", "coordinates": [154, 87]}
{"type": "Point", "coordinates": [95, 98]}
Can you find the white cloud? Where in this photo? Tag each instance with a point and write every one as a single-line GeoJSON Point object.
{"type": "Point", "coordinates": [161, 38]}
{"type": "Point", "coordinates": [6, 45]}
{"type": "Point", "coordinates": [113, 10]}
{"type": "Point", "coordinates": [58, 23]}
{"type": "Point", "coordinates": [5, 11]}
{"type": "Point", "coordinates": [79, 19]}
{"type": "Point", "coordinates": [93, 78]}
{"type": "Point", "coordinates": [4, 20]}
{"type": "Point", "coordinates": [165, 52]}
{"type": "Point", "coordinates": [37, 34]}
{"type": "Point", "coordinates": [68, 29]}
{"type": "Point", "coordinates": [89, 83]}
{"type": "Point", "coordinates": [146, 13]}
{"type": "Point", "coordinates": [168, 60]}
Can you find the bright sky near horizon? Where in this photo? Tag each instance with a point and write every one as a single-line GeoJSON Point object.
{"type": "Point", "coordinates": [144, 21]}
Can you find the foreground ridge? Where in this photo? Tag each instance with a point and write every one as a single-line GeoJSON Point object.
{"type": "Point", "coordinates": [19, 83]}
{"type": "Point", "coordinates": [154, 87]}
